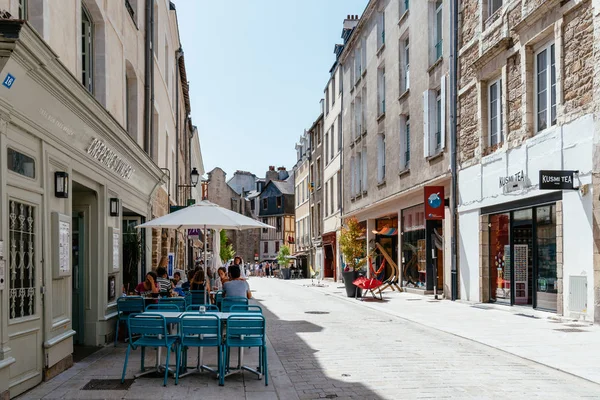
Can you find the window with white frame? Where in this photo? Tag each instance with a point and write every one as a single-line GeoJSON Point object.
{"type": "Point", "coordinates": [353, 176]}
{"type": "Point", "coordinates": [364, 170]}
{"type": "Point", "coordinates": [406, 65]}
{"type": "Point", "coordinates": [495, 136]}
{"type": "Point", "coordinates": [438, 121]}
{"type": "Point", "coordinates": [363, 53]}
{"type": "Point", "coordinates": [351, 70]}
{"type": "Point", "coordinates": [326, 147]}
{"type": "Point", "coordinates": [357, 117]}
{"type": "Point", "coordinates": [380, 29]}
{"type": "Point", "coordinates": [327, 101]}
{"type": "Point", "coordinates": [404, 6]}
{"type": "Point", "coordinates": [331, 182]}
{"type": "Point", "coordinates": [381, 89]}
{"type": "Point", "coordinates": [333, 90]}
{"type": "Point", "coordinates": [357, 64]}
{"type": "Point", "coordinates": [493, 6]}
{"type": "Point", "coordinates": [405, 142]}
{"type": "Point", "coordinates": [325, 199]}
{"type": "Point", "coordinates": [545, 88]}
{"type": "Point", "coordinates": [438, 31]}
{"type": "Point", "coordinates": [363, 111]}
{"type": "Point", "coordinates": [434, 117]}
{"type": "Point", "coordinates": [380, 157]}
{"type": "Point", "coordinates": [339, 132]}
{"type": "Point", "coordinates": [339, 190]}
{"type": "Point", "coordinates": [23, 9]}
{"type": "Point", "coordinates": [87, 46]}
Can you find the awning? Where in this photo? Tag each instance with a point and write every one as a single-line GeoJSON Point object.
{"type": "Point", "coordinates": [387, 232]}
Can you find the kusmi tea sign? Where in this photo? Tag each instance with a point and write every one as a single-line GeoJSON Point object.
{"type": "Point", "coordinates": [111, 160]}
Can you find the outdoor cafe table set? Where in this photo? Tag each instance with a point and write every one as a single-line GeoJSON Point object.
{"type": "Point", "coordinates": [222, 330]}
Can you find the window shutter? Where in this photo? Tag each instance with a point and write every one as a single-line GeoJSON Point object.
{"type": "Point", "coordinates": [426, 123]}
{"type": "Point", "coordinates": [364, 170]}
{"type": "Point", "coordinates": [443, 101]}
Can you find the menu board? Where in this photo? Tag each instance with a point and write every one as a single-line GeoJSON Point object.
{"type": "Point", "coordinates": [115, 250]}
{"type": "Point", "coordinates": [64, 248]}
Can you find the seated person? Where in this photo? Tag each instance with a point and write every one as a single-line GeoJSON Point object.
{"type": "Point", "coordinates": [149, 287]}
{"type": "Point", "coordinates": [177, 282]}
{"type": "Point", "coordinates": [164, 284]}
{"type": "Point", "coordinates": [199, 282]}
{"type": "Point", "coordinates": [236, 286]}
{"type": "Point", "coordinates": [223, 277]}
{"type": "Point", "coordinates": [186, 285]}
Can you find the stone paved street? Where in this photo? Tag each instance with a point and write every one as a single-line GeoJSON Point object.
{"type": "Point", "coordinates": [323, 346]}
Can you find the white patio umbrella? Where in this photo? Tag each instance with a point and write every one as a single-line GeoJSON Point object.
{"type": "Point", "coordinates": [216, 262]}
{"type": "Point", "coordinates": [205, 215]}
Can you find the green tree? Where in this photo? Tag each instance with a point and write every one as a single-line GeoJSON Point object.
{"type": "Point", "coordinates": [227, 252]}
{"type": "Point", "coordinates": [282, 259]}
{"type": "Point", "coordinates": [352, 244]}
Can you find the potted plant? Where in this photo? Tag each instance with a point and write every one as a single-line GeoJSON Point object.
{"type": "Point", "coordinates": [284, 261]}
{"type": "Point", "coordinates": [352, 246]}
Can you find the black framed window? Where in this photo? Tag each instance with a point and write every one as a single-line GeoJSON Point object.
{"type": "Point", "coordinates": [20, 163]}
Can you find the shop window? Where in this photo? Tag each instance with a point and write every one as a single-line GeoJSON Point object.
{"type": "Point", "coordinates": [20, 163]}
{"type": "Point", "coordinates": [546, 279]}
{"type": "Point", "coordinates": [499, 235]}
{"type": "Point", "coordinates": [414, 257]}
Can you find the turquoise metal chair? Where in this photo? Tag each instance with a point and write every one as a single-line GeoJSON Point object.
{"type": "Point", "coordinates": [163, 307]}
{"type": "Point", "coordinates": [125, 307]}
{"type": "Point", "coordinates": [231, 301]}
{"type": "Point", "coordinates": [219, 298]}
{"type": "Point", "coordinates": [248, 308]}
{"type": "Point", "coordinates": [201, 330]}
{"type": "Point", "coordinates": [153, 331]}
{"type": "Point", "coordinates": [247, 331]}
{"type": "Point", "coordinates": [178, 301]}
{"type": "Point", "coordinates": [198, 297]}
{"type": "Point", "coordinates": [208, 307]}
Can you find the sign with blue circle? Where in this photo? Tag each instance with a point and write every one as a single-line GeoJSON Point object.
{"type": "Point", "coordinates": [434, 202]}
{"type": "Point", "coordinates": [8, 81]}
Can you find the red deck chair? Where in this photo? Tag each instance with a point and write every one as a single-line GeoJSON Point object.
{"type": "Point", "coordinates": [371, 284]}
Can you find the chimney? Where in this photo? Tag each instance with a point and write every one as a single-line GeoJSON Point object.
{"type": "Point", "coordinates": [350, 22]}
{"type": "Point", "coordinates": [271, 175]}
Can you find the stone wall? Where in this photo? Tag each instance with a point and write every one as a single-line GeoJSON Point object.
{"type": "Point", "coordinates": [515, 94]}
{"type": "Point", "coordinates": [578, 60]}
{"type": "Point", "coordinates": [467, 125]}
{"type": "Point", "coordinates": [469, 20]}
{"type": "Point", "coordinates": [465, 65]}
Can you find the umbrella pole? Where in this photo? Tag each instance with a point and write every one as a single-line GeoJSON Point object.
{"type": "Point", "coordinates": [205, 269]}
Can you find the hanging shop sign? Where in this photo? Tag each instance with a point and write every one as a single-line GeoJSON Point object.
{"type": "Point", "coordinates": [550, 180]}
{"type": "Point", "coordinates": [111, 160]}
{"type": "Point", "coordinates": [434, 202]}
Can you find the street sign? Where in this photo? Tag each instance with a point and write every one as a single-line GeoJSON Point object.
{"type": "Point", "coordinates": [551, 180]}
{"type": "Point", "coordinates": [171, 257]}
{"type": "Point", "coordinates": [434, 202]}
{"type": "Point", "coordinates": [8, 81]}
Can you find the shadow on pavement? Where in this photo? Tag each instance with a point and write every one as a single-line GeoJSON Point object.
{"type": "Point", "coordinates": [304, 372]}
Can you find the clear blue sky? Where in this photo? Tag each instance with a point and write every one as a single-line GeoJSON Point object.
{"type": "Point", "coordinates": [257, 70]}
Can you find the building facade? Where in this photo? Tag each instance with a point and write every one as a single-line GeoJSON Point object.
{"type": "Point", "coordinates": [316, 186]}
{"type": "Point", "coordinates": [276, 203]}
{"type": "Point", "coordinates": [394, 107]}
{"type": "Point", "coordinates": [86, 161]}
{"type": "Point", "coordinates": [528, 100]}
{"type": "Point", "coordinates": [301, 197]}
{"type": "Point", "coordinates": [332, 162]}
{"type": "Point", "coordinates": [245, 243]}
{"type": "Point", "coordinates": [242, 182]}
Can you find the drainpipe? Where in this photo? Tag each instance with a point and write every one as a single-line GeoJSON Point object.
{"type": "Point", "coordinates": [453, 161]}
{"type": "Point", "coordinates": [147, 79]}
{"type": "Point", "coordinates": [178, 55]}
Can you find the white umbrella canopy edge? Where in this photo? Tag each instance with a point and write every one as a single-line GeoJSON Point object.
{"type": "Point", "coordinates": [205, 215]}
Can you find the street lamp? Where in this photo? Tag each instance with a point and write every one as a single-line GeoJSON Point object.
{"type": "Point", "coordinates": [194, 177]}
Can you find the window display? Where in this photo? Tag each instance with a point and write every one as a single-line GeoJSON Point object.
{"type": "Point", "coordinates": [414, 257]}
{"type": "Point", "coordinates": [499, 258]}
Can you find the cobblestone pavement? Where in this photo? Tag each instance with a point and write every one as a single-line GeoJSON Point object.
{"type": "Point", "coordinates": [331, 348]}
{"type": "Point", "coordinates": [321, 346]}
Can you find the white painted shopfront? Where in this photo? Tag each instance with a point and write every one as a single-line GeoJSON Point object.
{"type": "Point", "coordinates": [504, 189]}
{"type": "Point", "coordinates": [49, 123]}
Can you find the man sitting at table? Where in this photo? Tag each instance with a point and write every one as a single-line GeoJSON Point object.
{"type": "Point", "coordinates": [236, 286]}
{"type": "Point", "coordinates": [164, 284]}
